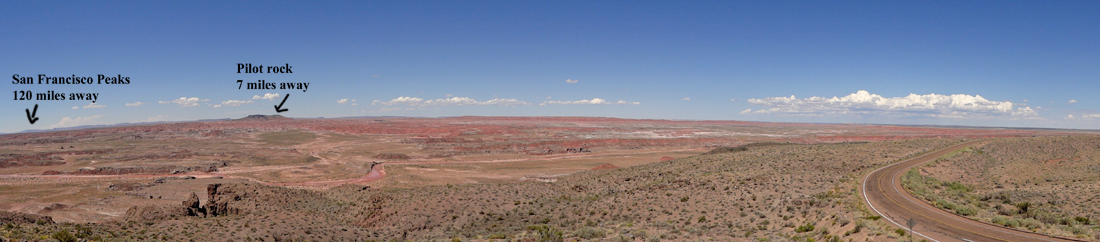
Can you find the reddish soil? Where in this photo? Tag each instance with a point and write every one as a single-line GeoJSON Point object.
{"type": "Point", "coordinates": [605, 166]}
{"type": "Point", "coordinates": [392, 156]}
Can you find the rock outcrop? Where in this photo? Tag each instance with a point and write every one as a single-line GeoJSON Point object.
{"type": "Point", "coordinates": [219, 203]}
{"type": "Point", "coordinates": [392, 156]}
{"type": "Point", "coordinates": [17, 217]}
{"type": "Point", "coordinates": [154, 212]}
{"type": "Point", "coordinates": [192, 206]}
{"type": "Point", "coordinates": [156, 170]}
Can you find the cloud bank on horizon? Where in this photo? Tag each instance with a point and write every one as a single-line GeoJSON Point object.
{"type": "Point", "coordinates": [594, 101]}
{"type": "Point", "coordinates": [453, 101]}
{"type": "Point", "coordinates": [863, 102]}
{"type": "Point", "coordinates": [186, 101]}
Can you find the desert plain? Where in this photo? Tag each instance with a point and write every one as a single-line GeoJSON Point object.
{"type": "Point", "coordinates": [271, 178]}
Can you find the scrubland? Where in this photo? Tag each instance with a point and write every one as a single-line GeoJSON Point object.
{"type": "Point", "coordinates": [775, 192]}
{"type": "Point", "coordinates": [268, 178]}
{"type": "Point", "coordinates": [1049, 185]}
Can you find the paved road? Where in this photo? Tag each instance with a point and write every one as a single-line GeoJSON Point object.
{"type": "Point", "coordinates": [883, 191]}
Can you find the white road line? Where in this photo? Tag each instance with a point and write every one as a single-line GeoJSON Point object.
{"type": "Point", "coordinates": [893, 184]}
{"type": "Point", "coordinates": [865, 198]}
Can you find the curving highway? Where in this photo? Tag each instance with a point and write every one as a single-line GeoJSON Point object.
{"type": "Point", "coordinates": [884, 194]}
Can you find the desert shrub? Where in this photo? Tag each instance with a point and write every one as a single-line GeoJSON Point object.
{"type": "Point", "coordinates": [1023, 207]}
{"type": "Point", "coordinates": [950, 206]}
{"type": "Point", "coordinates": [999, 220]}
{"type": "Point", "coordinates": [590, 233]}
{"type": "Point", "coordinates": [64, 236]}
{"type": "Point", "coordinates": [805, 228]}
{"type": "Point", "coordinates": [546, 233]}
{"type": "Point", "coordinates": [498, 236]}
{"type": "Point", "coordinates": [931, 197]}
{"type": "Point", "coordinates": [958, 187]}
{"type": "Point", "coordinates": [1045, 217]}
{"type": "Point", "coordinates": [623, 238]}
{"type": "Point", "coordinates": [721, 150]}
{"type": "Point", "coordinates": [900, 232]}
{"type": "Point", "coordinates": [945, 204]}
{"type": "Point", "coordinates": [967, 210]}
{"type": "Point", "coordinates": [844, 221]}
{"type": "Point", "coordinates": [1012, 223]}
{"type": "Point", "coordinates": [1068, 221]}
{"type": "Point", "coordinates": [1083, 220]}
{"type": "Point", "coordinates": [1078, 230]}
{"type": "Point", "coordinates": [1006, 210]}
{"type": "Point", "coordinates": [1031, 223]}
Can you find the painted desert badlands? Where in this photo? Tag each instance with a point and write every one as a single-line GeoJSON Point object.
{"type": "Point", "coordinates": [270, 178]}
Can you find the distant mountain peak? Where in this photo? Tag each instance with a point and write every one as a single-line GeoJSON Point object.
{"type": "Point", "coordinates": [258, 117]}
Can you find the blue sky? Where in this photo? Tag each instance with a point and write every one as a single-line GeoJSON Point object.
{"type": "Point", "coordinates": [995, 63]}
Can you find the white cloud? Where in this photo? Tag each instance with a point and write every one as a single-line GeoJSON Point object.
{"type": "Point", "coordinates": [94, 105]}
{"type": "Point", "coordinates": [346, 101]}
{"type": "Point", "coordinates": [75, 107]}
{"type": "Point", "coordinates": [155, 118]}
{"type": "Point", "coordinates": [571, 81]}
{"type": "Point", "coordinates": [187, 101]}
{"type": "Point", "coordinates": [233, 103]}
{"type": "Point", "coordinates": [1083, 116]}
{"type": "Point", "coordinates": [1024, 111]}
{"type": "Point", "coordinates": [135, 104]}
{"type": "Point", "coordinates": [449, 95]}
{"type": "Point", "coordinates": [1073, 101]}
{"type": "Point", "coordinates": [686, 99]}
{"type": "Point", "coordinates": [1025, 100]}
{"type": "Point", "coordinates": [589, 101]}
{"type": "Point", "coordinates": [863, 102]}
{"type": "Point", "coordinates": [733, 99]}
{"type": "Point", "coordinates": [266, 96]}
{"type": "Point", "coordinates": [400, 100]}
{"type": "Point", "coordinates": [454, 101]}
{"type": "Point", "coordinates": [746, 111]}
{"type": "Point", "coordinates": [69, 122]}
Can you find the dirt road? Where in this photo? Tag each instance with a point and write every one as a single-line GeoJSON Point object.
{"type": "Point", "coordinates": [883, 192]}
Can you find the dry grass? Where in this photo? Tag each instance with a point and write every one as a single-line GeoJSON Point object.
{"type": "Point", "coordinates": [1047, 184]}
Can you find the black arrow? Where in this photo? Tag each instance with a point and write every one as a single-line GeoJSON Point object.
{"type": "Point", "coordinates": [279, 108]}
{"type": "Point", "coordinates": [31, 115]}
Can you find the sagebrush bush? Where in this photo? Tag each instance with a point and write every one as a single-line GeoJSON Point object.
{"type": "Point", "coordinates": [999, 220]}
{"type": "Point", "coordinates": [590, 233]}
{"type": "Point", "coordinates": [805, 228]}
{"type": "Point", "coordinates": [967, 210]}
